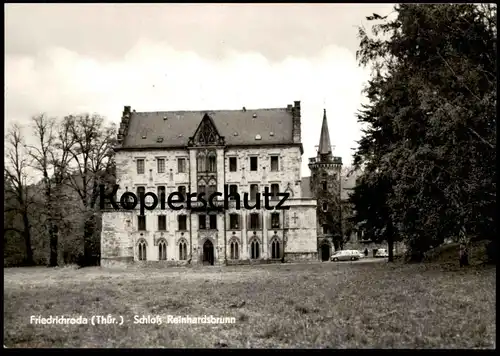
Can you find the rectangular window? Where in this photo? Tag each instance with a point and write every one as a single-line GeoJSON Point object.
{"type": "Point", "coordinates": [141, 220]}
{"type": "Point", "coordinates": [182, 190]}
{"type": "Point", "coordinates": [233, 165]}
{"type": "Point", "coordinates": [161, 165]}
{"type": "Point", "coordinates": [254, 221]}
{"type": "Point", "coordinates": [234, 221]}
{"type": "Point", "coordinates": [233, 190]}
{"type": "Point", "coordinates": [162, 222]}
{"type": "Point", "coordinates": [211, 190]}
{"type": "Point", "coordinates": [212, 163]}
{"type": "Point", "coordinates": [140, 166]}
{"type": "Point", "coordinates": [274, 163]}
{"type": "Point", "coordinates": [253, 163]}
{"type": "Point", "coordinates": [325, 186]}
{"type": "Point", "coordinates": [181, 165]}
{"type": "Point", "coordinates": [275, 189]}
{"type": "Point", "coordinates": [326, 230]}
{"type": "Point", "coordinates": [213, 222]}
{"type": "Point", "coordinates": [254, 189]}
{"type": "Point", "coordinates": [181, 219]}
{"type": "Point", "coordinates": [202, 222]}
{"type": "Point", "coordinates": [140, 190]}
{"type": "Point", "coordinates": [275, 220]}
{"type": "Point", "coordinates": [161, 190]}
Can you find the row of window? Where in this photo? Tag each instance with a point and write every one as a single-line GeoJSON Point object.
{"type": "Point", "coordinates": [160, 165]}
{"type": "Point", "coordinates": [233, 255]}
{"type": "Point", "coordinates": [254, 164]}
{"type": "Point", "coordinates": [162, 251]}
{"type": "Point", "coordinates": [207, 164]}
{"type": "Point", "coordinates": [210, 222]}
{"type": "Point", "coordinates": [212, 188]}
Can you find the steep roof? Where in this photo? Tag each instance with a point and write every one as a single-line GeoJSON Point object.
{"type": "Point", "coordinates": [239, 127]}
{"type": "Point", "coordinates": [325, 147]}
{"type": "Point", "coordinates": [348, 184]}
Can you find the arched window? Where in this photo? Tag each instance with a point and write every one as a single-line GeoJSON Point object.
{"type": "Point", "coordinates": [182, 250]}
{"type": "Point", "coordinates": [325, 206]}
{"type": "Point", "coordinates": [212, 187]}
{"type": "Point", "coordinates": [235, 252]}
{"type": "Point", "coordinates": [212, 161]}
{"type": "Point", "coordinates": [275, 249]}
{"type": "Point", "coordinates": [254, 250]}
{"type": "Point", "coordinates": [162, 250]}
{"type": "Point", "coordinates": [201, 162]}
{"type": "Point", "coordinates": [202, 186]}
{"type": "Point", "coordinates": [141, 248]}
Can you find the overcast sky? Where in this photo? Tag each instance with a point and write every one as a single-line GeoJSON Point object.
{"type": "Point", "coordinates": [62, 59]}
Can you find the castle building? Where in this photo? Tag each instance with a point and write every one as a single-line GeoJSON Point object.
{"type": "Point", "coordinates": [230, 151]}
{"type": "Point", "coordinates": [325, 186]}
{"type": "Point", "coordinates": [331, 189]}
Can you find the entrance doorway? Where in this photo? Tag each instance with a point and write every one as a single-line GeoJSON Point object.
{"type": "Point", "coordinates": [325, 252]}
{"type": "Point", "coordinates": [208, 253]}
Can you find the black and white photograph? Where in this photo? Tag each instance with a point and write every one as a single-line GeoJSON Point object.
{"type": "Point", "coordinates": [250, 176]}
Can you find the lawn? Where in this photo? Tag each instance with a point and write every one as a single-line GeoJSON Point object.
{"type": "Point", "coordinates": [327, 305]}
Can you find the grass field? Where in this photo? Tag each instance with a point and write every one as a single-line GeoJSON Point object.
{"type": "Point", "coordinates": [328, 305]}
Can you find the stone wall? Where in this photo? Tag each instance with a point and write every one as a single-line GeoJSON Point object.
{"type": "Point", "coordinates": [121, 235]}
{"type": "Point", "coordinates": [117, 245]}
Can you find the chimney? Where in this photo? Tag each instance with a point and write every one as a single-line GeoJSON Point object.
{"type": "Point", "coordinates": [296, 122]}
{"type": "Point", "coordinates": [122, 132]}
{"type": "Point", "coordinates": [289, 107]}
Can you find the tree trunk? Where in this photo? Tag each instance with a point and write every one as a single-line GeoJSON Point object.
{"type": "Point", "coordinates": [27, 240]}
{"type": "Point", "coordinates": [390, 247]}
{"type": "Point", "coordinates": [390, 241]}
{"type": "Point", "coordinates": [53, 245]}
{"type": "Point", "coordinates": [90, 248]}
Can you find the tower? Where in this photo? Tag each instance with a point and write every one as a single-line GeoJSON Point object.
{"type": "Point", "coordinates": [325, 186]}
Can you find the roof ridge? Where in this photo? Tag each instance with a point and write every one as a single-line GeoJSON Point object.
{"type": "Point", "coordinates": [205, 111]}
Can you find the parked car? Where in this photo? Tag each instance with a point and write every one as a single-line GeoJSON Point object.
{"type": "Point", "coordinates": [345, 255]}
{"type": "Point", "coordinates": [382, 252]}
{"type": "Point", "coordinates": [361, 254]}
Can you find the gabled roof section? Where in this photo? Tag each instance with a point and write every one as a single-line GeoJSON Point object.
{"type": "Point", "coordinates": [206, 134]}
{"type": "Point", "coordinates": [238, 127]}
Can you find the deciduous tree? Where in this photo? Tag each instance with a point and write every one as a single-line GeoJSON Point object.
{"type": "Point", "coordinates": [17, 199]}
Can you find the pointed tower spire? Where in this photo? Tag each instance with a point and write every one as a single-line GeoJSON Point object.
{"type": "Point", "coordinates": [325, 147]}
